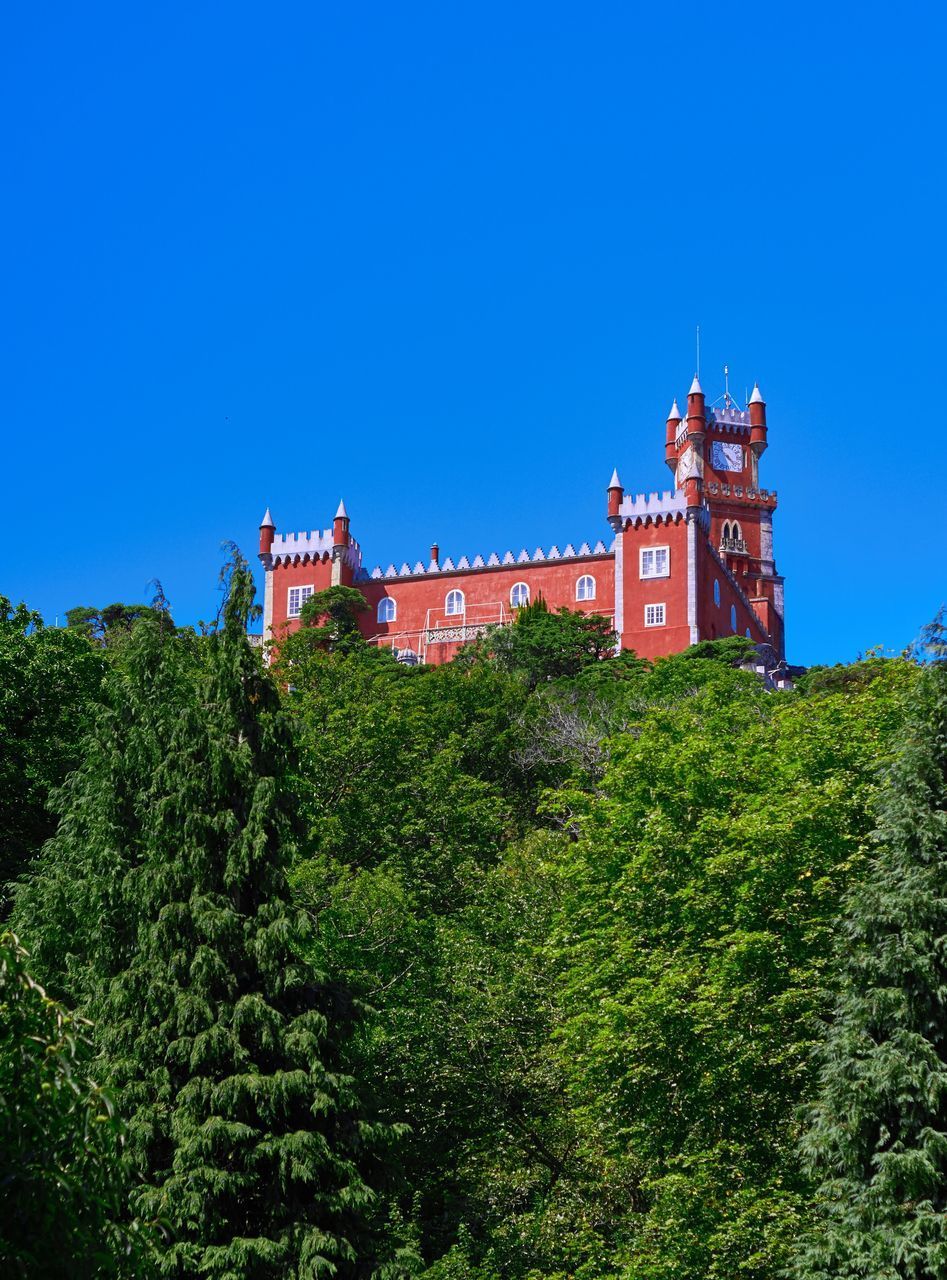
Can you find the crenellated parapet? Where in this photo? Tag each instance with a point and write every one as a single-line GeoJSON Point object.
{"type": "Point", "coordinates": [641, 508]}
{"type": "Point", "coordinates": [304, 548]}
{"type": "Point", "coordinates": [480, 563]}
{"type": "Point", "coordinates": [729, 420]}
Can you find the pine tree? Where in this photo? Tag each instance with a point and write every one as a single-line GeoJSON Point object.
{"type": "Point", "coordinates": [178, 832]}
{"type": "Point", "coordinates": [877, 1135]}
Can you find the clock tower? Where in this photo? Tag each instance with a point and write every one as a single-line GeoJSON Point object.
{"type": "Point", "coordinates": [718, 451]}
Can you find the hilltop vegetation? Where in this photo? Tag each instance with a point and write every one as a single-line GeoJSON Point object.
{"type": "Point", "coordinates": [535, 966]}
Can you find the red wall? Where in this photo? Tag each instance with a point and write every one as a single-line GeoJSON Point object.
{"type": "Point", "coordinates": [420, 600]}
{"type": "Point", "coordinates": [655, 642]}
{"type": "Point", "coordinates": [317, 574]}
{"type": "Point", "coordinates": [714, 620]}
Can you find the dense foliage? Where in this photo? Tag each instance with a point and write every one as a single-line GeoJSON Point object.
{"type": "Point", "coordinates": [49, 682]}
{"type": "Point", "coordinates": [518, 968]}
{"type": "Point", "coordinates": [63, 1187]}
{"type": "Point", "coordinates": [878, 1130]}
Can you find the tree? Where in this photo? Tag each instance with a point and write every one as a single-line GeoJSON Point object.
{"type": "Point", "coordinates": [50, 682]}
{"type": "Point", "coordinates": [63, 1186]}
{"type": "Point", "coordinates": [541, 646]}
{"type": "Point", "coordinates": [111, 623]}
{"type": "Point", "coordinates": [330, 619]}
{"type": "Point", "coordinates": [877, 1133]}
{"type": "Point", "coordinates": [167, 884]}
{"type": "Point", "coordinates": [695, 945]}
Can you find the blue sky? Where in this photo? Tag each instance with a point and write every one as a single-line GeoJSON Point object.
{"type": "Point", "coordinates": [447, 261]}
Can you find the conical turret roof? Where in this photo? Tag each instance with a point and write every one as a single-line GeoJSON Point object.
{"type": "Point", "coordinates": [267, 521]}
{"type": "Point", "coordinates": [756, 398]}
{"type": "Point", "coordinates": [696, 388]}
{"type": "Point", "coordinates": [614, 483]}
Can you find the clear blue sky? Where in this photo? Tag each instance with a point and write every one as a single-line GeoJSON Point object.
{"type": "Point", "coordinates": [447, 261]}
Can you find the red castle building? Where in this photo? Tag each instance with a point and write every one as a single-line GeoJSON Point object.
{"type": "Point", "coordinates": [689, 564]}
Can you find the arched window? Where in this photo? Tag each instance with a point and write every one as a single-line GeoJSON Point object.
{"type": "Point", "coordinates": [716, 593]}
{"type": "Point", "coordinates": [735, 530]}
{"type": "Point", "coordinates": [519, 595]}
{"type": "Point", "coordinates": [387, 609]}
{"type": "Point", "coordinates": [585, 587]}
{"type": "Point", "coordinates": [454, 602]}
{"type": "Point", "coordinates": [748, 636]}
{"type": "Point", "coordinates": [733, 617]}
{"type": "Point", "coordinates": [726, 531]}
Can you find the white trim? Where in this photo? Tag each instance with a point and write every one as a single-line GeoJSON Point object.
{"type": "Point", "coordinates": [518, 604]}
{"type": "Point", "coordinates": [453, 612]}
{"type": "Point", "coordinates": [589, 595]}
{"type": "Point", "coordinates": [387, 601]}
{"type": "Point", "coordinates": [619, 548]}
{"type": "Point", "coordinates": [305, 591]}
{"type": "Point", "coordinates": [268, 606]}
{"type": "Point", "coordinates": [766, 541]}
{"type": "Point", "coordinates": [654, 551]}
{"type": "Point", "coordinates": [692, 517]}
{"type": "Point", "coordinates": [659, 618]}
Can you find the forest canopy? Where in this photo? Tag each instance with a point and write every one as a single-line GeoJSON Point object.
{"type": "Point", "coordinates": [544, 964]}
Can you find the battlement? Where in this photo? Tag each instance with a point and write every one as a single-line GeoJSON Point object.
{"type": "Point", "coordinates": [729, 419]}
{"type": "Point", "coordinates": [492, 561]}
{"type": "Point", "coordinates": [640, 505]}
{"type": "Point", "coordinates": [299, 548]}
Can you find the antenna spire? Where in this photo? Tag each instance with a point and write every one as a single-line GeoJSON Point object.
{"type": "Point", "coordinates": [726, 385]}
{"type": "Point", "coordinates": [697, 375]}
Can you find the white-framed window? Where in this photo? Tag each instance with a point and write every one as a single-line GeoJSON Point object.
{"type": "Point", "coordinates": [296, 597]}
{"type": "Point", "coordinates": [387, 609]}
{"type": "Point", "coordinates": [717, 592]}
{"type": "Point", "coordinates": [454, 602]}
{"type": "Point", "coordinates": [585, 587]}
{"type": "Point", "coordinates": [519, 595]}
{"type": "Point", "coordinates": [654, 615]}
{"type": "Point", "coordinates": [733, 617]}
{"type": "Point", "coordinates": [655, 562]}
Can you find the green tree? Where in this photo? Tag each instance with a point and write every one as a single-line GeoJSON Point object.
{"type": "Point", "coordinates": [109, 624]}
{"type": "Point", "coordinates": [166, 891]}
{"type": "Point", "coordinates": [63, 1186]}
{"type": "Point", "coordinates": [330, 620]}
{"type": "Point", "coordinates": [877, 1134]}
{"type": "Point", "coordinates": [541, 645]}
{"type": "Point", "coordinates": [50, 684]}
{"type": "Point", "coordinates": [695, 946]}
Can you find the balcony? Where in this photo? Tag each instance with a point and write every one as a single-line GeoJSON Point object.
{"type": "Point", "coordinates": [734, 546]}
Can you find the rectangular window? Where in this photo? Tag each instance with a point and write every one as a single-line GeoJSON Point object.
{"type": "Point", "coordinates": [296, 599]}
{"type": "Point", "coordinates": [654, 615]}
{"type": "Point", "coordinates": [655, 562]}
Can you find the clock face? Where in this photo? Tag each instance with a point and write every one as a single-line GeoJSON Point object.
{"type": "Point", "coordinates": [686, 467]}
{"type": "Point", "coordinates": [726, 457]}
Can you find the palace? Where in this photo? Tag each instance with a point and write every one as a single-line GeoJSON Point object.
{"type": "Point", "coordinates": [692, 563]}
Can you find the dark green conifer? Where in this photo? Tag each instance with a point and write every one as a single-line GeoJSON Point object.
{"type": "Point", "coordinates": [877, 1139]}
{"type": "Point", "coordinates": [178, 831]}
